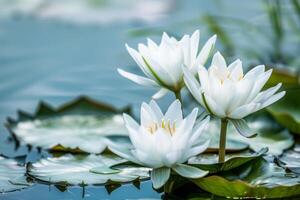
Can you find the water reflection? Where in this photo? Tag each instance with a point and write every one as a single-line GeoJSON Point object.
{"type": "Point", "coordinates": [87, 11]}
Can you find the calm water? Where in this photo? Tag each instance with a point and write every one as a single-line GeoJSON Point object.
{"type": "Point", "coordinates": [56, 61]}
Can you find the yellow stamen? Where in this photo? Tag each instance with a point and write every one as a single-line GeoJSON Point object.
{"type": "Point", "coordinates": [166, 125]}
{"type": "Point", "coordinates": [241, 77]}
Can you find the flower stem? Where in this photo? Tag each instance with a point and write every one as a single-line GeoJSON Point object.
{"type": "Point", "coordinates": [178, 95]}
{"type": "Point", "coordinates": [222, 145]}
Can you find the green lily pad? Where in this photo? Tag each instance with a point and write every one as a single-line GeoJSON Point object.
{"type": "Point", "coordinates": [270, 135]}
{"type": "Point", "coordinates": [88, 170]}
{"type": "Point", "coordinates": [209, 162]}
{"type": "Point", "coordinates": [291, 159]}
{"type": "Point", "coordinates": [12, 176]}
{"type": "Point", "coordinates": [82, 125]}
{"type": "Point", "coordinates": [287, 111]}
{"type": "Point", "coordinates": [258, 179]}
{"type": "Point", "coordinates": [232, 146]}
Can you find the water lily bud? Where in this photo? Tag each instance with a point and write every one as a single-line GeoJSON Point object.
{"type": "Point", "coordinates": [162, 64]}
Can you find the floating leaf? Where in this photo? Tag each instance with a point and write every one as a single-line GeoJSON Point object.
{"type": "Point", "coordinates": [79, 126]}
{"type": "Point", "coordinates": [78, 169]}
{"type": "Point", "coordinates": [189, 171]}
{"type": "Point", "coordinates": [291, 159]}
{"type": "Point", "coordinates": [12, 176]}
{"type": "Point", "coordinates": [210, 162]}
{"type": "Point", "coordinates": [287, 111]}
{"type": "Point", "coordinates": [231, 146]}
{"type": "Point", "coordinates": [258, 179]}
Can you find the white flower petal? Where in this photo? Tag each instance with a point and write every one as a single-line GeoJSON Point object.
{"type": "Point", "coordinates": [156, 109]}
{"type": "Point", "coordinates": [130, 122]}
{"type": "Point", "coordinates": [204, 80]}
{"type": "Point", "coordinates": [219, 62]}
{"type": "Point", "coordinates": [206, 50]}
{"type": "Point", "coordinates": [124, 153]}
{"type": "Point", "coordinates": [255, 72]}
{"type": "Point", "coordinates": [162, 139]}
{"type": "Point", "coordinates": [146, 159]}
{"type": "Point", "coordinates": [243, 111]}
{"type": "Point", "coordinates": [259, 83]}
{"type": "Point", "coordinates": [264, 95]}
{"type": "Point", "coordinates": [193, 85]}
{"type": "Point", "coordinates": [160, 176]}
{"type": "Point", "coordinates": [272, 99]}
{"type": "Point", "coordinates": [161, 75]}
{"type": "Point", "coordinates": [152, 45]}
{"type": "Point", "coordinates": [236, 70]}
{"type": "Point", "coordinates": [214, 107]}
{"type": "Point", "coordinates": [198, 130]}
{"type": "Point", "coordinates": [184, 130]}
{"type": "Point", "coordinates": [174, 111]}
{"type": "Point", "coordinates": [148, 116]}
{"type": "Point", "coordinates": [194, 44]}
{"type": "Point", "coordinates": [240, 94]}
{"type": "Point", "coordinates": [189, 171]}
{"type": "Point", "coordinates": [226, 95]}
{"type": "Point", "coordinates": [139, 60]}
{"type": "Point", "coordinates": [162, 92]}
{"type": "Point", "coordinates": [174, 156]}
{"type": "Point", "coordinates": [197, 150]}
{"type": "Point", "coordinates": [186, 47]}
{"type": "Point", "coordinates": [165, 38]}
{"type": "Point", "coordinates": [136, 133]}
{"type": "Point", "coordinates": [190, 120]}
{"type": "Point", "coordinates": [137, 79]}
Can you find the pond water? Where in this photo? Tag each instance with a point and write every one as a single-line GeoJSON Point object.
{"type": "Point", "coordinates": [56, 60]}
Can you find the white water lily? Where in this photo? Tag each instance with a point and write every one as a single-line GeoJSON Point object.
{"type": "Point", "coordinates": [164, 142]}
{"type": "Point", "coordinates": [162, 64]}
{"type": "Point", "coordinates": [227, 93]}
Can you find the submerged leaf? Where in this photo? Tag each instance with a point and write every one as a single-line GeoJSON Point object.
{"type": "Point", "coordinates": [80, 126]}
{"type": "Point", "coordinates": [258, 179]}
{"type": "Point", "coordinates": [92, 169]}
{"type": "Point", "coordinates": [12, 176]}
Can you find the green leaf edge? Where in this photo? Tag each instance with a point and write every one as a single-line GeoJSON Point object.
{"type": "Point", "coordinates": [243, 187]}
{"type": "Point", "coordinates": [218, 167]}
{"type": "Point", "coordinates": [66, 184]}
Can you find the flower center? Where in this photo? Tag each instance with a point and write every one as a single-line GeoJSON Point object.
{"type": "Point", "coordinates": [228, 77]}
{"type": "Point", "coordinates": [168, 126]}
